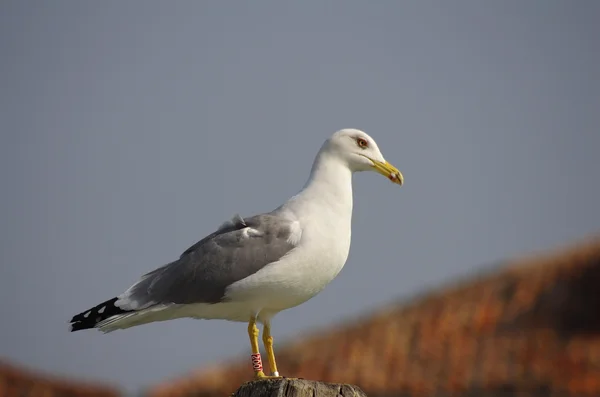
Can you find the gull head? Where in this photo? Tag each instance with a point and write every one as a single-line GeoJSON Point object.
{"type": "Point", "coordinates": [360, 153]}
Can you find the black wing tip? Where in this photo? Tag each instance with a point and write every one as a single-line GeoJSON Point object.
{"type": "Point", "coordinates": [78, 326]}
{"type": "Point", "coordinates": [91, 317]}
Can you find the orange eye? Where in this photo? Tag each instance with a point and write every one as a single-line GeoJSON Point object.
{"type": "Point", "coordinates": [362, 142]}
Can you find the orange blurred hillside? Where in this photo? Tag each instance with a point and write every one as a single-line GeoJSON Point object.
{"type": "Point", "coordinates": [530, 327]}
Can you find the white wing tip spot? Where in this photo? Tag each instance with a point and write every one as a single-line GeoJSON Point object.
{"type": "Point", "coordinates": [102, 309]}
{"type": "Point", "coordinates": [87, 314]}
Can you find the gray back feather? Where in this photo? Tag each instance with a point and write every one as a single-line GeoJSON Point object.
{"type": "Point", "coordinates": [203, 271]}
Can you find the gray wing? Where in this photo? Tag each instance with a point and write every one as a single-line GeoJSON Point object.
{"type": "Point", "coordinates": [236, 250]}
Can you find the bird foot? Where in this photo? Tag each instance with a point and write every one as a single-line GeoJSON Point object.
{"type": "Point", "coordinates": [261, 375]}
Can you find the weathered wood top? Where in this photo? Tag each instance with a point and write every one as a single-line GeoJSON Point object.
{"type": "Point", "coordinates": [290, 387]}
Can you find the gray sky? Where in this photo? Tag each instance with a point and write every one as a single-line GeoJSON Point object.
{"type": "Point", "coordinates": [129, 130]}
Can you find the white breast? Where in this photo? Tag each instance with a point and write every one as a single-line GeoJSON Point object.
{"type": "Point", "coordinates": [299, 275]}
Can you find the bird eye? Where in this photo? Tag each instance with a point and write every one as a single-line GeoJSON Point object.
{"type": "Point", "coordinates": [362, 143]}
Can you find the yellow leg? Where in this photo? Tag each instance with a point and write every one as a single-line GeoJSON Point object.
{"type": "Point", "coordinates": [253, 334]}
{"type": "Point", "coordinates": [268, 342]}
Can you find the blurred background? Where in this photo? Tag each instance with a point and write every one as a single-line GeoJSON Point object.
{"type": "Point", "coordinates": [130, 130]}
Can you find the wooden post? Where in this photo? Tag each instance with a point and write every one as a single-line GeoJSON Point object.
{"type": "Point", "coordinates": [290, 387]}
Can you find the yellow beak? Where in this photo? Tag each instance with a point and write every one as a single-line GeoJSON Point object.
{"type": "Point", "coordinates": [389, 171]}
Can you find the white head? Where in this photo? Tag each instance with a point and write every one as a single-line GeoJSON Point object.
{"type": "Point", "coordinates": [360, 153]}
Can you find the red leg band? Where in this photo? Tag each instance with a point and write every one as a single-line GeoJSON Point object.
{"type": "Point", "coordinates": [256, 362]}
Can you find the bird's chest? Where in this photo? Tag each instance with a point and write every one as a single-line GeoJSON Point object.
{"type": "Point", "coordinates": [325, 252]}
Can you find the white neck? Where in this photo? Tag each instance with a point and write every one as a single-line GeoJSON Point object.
{"type": "Point", "coordinates": [329, 188]}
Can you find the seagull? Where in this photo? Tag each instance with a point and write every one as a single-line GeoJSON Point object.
{"type": "Point", "coordinates": [252, 268]}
